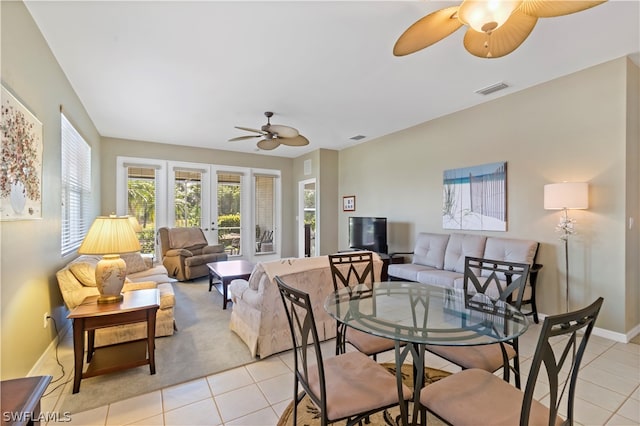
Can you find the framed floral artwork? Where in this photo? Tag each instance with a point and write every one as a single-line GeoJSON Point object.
{"type": "Point", "coordinates": [21, 163]}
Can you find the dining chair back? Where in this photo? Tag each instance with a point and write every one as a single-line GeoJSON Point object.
{"type": "Point", "coordinates": [560, 349]}
{"type": "Point", "coordinates": [334, 385]}
{"type": "Point", "coordinates": [349, 270]}
{"type": "Point", "coordinates": [488, 281]}
{"type": "Point", "coordinates": [488, 284]}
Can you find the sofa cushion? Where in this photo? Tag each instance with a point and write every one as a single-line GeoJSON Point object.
{"type": "Point", "coordinates": [135, 262]}
{"type": "Point", "coordinates": [407, 271]}
{"type": "Point", "coordinates": [509, 250]}
{"type": "Point", "coordinates": [429, 249]}
{"type": "Point", "coordinates": [439, 277]}
{"type": "Point", "coordinates": [460, 246]}
{"type": "Point", "coordinates": [84, 272]}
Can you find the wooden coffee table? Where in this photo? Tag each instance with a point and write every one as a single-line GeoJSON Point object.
{"type": "Point", "coordinates": [226, 272]}
{"type": "Point", "coordinates": [137, 306]}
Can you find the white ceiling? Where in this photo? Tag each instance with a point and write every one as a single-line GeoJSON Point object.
{"type": "Point", "coordinates": [186, 73]}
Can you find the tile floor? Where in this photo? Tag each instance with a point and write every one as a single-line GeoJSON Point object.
{"type": "Point", "coordinates": [256, 394]}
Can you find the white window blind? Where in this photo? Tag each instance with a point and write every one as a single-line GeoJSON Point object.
{"type": "Point", "coordinates": [76, 187]}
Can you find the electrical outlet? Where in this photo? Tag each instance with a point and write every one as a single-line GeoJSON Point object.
{"type": "Point", "coordinates": [45, 319]}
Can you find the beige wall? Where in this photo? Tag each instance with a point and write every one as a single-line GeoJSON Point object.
{"type": "Point", "coordinates": [30, 250]}
{"type": "Point", "coordinates": [633, 196]}
{"type": "Point", "coordinates": [112, 148]}
{"type": "Point", "coordinates": [570, 129]}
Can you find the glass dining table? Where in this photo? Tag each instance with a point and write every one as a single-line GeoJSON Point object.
{"type": "Point", "coordinates": [416, 315]}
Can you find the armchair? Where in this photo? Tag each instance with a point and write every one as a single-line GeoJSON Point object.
{"type": "Point", "coordinates": [186, 252]}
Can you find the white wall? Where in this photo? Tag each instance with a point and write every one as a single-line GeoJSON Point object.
{"type": "Point", "coordinates": [569, 129]}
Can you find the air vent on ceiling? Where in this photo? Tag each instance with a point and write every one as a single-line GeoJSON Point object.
{"type": "Point", "coordinates": [357, 137]}
{"type": "Point", "coordinates": [491, 89]}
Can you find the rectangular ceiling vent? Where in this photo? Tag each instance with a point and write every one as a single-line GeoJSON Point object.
{"type": "Point", "coordinates": [491, 89]}
{"type": "Point", "coordinates": [357, 137]}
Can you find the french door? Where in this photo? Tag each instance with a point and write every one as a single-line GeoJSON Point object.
{"type": "Point", "coordinates": [235, 206]}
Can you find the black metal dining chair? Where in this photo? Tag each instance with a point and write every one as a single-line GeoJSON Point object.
{"type": "Point", "coordinates": [348, 386]}
{"type": "Point", "coordinates": [477, 397]}
{"type": "Point", "coordinates": [349, 269]}
{"type": "Point", "coordinates": [487, 282]}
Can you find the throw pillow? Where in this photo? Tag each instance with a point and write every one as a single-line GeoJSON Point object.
{"type": "Point", "coordinates": [84, 272]}
{"type": "Point", "coordinates": [135, 262]}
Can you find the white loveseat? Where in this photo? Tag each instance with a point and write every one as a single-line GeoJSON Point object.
{"type": "Point", "coordinates": [438, 259]}
{"type": "Point", "coordinates": [258, 315]}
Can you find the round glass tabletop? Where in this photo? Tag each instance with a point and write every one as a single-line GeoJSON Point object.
{"type": "Point", "coordinates": [424, 314]}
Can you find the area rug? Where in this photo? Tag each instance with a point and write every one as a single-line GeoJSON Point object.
{"type": "Point", "coordinates": [308, 413]}
{"type": "Point", "coordinates": [203, 345]}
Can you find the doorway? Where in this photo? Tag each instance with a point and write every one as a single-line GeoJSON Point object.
{"type": "Point", "coordinates": [308, 237]}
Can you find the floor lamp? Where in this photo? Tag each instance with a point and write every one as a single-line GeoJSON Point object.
{"type": "Point", "coordinates": [566, 196]}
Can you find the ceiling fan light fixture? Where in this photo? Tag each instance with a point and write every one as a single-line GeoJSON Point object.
{"type": "Point", "coordinates": [486, 15]}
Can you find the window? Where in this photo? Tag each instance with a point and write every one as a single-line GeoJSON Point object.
{"type": "Point", "coordinates": [265, 220]}
{"type": "Point", "coordinates": [141, 203]}
{"type": "Point", "coordinates": [76, 187]}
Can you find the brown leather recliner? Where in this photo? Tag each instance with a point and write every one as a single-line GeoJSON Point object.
{"type": "Point", "coordinates": [186, 252]}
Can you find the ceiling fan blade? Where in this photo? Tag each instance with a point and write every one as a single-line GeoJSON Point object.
{"type": "Point", "coordinates": [502, 41]}
{"type": "Point", "coordinates": [268, 144]}
{"type": "Point", "coordinates": [549, 9]}
{"type": "Point", "coordinates": [248, 129]}
{"type": "Point", "coordinates": [242, 138]}
{"type": "Point", "coordinates": [427, 31]}
{"type": "Point", "coordinates": [297, 141]}
{"type": "Point", "coordinates": [283, 131]}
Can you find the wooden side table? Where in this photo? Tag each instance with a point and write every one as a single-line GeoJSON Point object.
{"type": "Point", "coordinates": [137, 306]}
{"type": "Point", "coordinates": [20, 400]}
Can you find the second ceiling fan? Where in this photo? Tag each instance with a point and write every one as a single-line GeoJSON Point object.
{"type": "Point", "coordinates": [273, 135]}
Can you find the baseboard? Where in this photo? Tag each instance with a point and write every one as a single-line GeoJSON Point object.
{"type": "Point", "coordinates": [50, 351]}
{"type": "Point", "coordinates": [608, 334]}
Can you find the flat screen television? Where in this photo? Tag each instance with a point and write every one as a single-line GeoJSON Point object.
{"type": "Point", "coordinates": [368, 233]}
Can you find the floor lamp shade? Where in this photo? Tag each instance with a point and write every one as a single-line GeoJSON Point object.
{"type": "Point", "coordinates": [110, 236]}
{"type": "Point", "coordinates": [566, 195]}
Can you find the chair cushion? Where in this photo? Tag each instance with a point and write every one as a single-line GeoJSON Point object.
{"type": "Point", "coordinates": [485, 357]}
{"type": "Point", "coordinates": [84, 272]}
{"type": "Point", "coordinates": [186, 237]}
{"type": "Point", "coordinates": [476, 397]}
{"type": "Point", "coordinates": [348, 393]}
{"type": "Point", "coordinates": [368, 343]}
{"type": "Point", "coordinates": [429, 249]}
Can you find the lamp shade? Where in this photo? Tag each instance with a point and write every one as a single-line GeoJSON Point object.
{"type": "Point", "coordinates": [566, 195]}
{"type": "Point", "coordinates": [110, 235]}
{"type": "Point", "coordinates": [135, 224]}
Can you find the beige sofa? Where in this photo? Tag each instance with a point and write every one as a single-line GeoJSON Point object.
{"type": "Point", "coordinates": [77, 281]}
{"type": "Point", "coordinates": [438, 259]}
{"type": "Point", "coordinates": [258, 315]}
{"type": "Point", "coordinates": [186, 252]}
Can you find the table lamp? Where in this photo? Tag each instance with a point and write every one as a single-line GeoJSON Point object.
{"type": "Point", "coordinates": [110, 236]}
{"type": "Point", "coordinates": [566, 196]}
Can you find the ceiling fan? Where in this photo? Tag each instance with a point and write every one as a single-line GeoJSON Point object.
{"type": "Point", "coordinates": [274, 135]}
{"type": "Point", "coordinates": [496, 27]}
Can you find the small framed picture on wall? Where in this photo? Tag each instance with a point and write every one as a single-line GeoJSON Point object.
{"type": "Point", "coordinates": [349, 203]}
